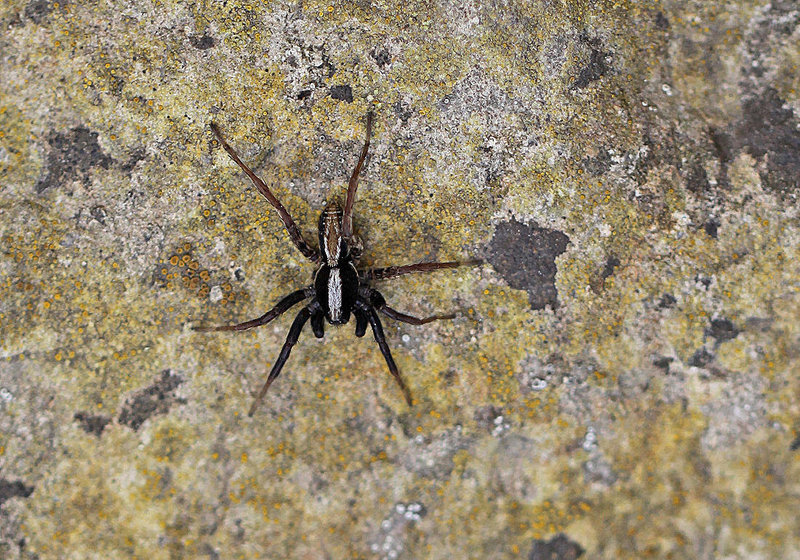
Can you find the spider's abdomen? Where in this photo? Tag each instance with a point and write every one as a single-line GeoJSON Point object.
{"type": "Point", "coordinates": [336, 289]}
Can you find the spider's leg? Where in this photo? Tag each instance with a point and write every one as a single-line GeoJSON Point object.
{"type": "Point", "coordinates": [318, 324]}
{"type": "Point", "coordinates": [410, 319]}
{"type": "Point", "coordinates": [378, 302]}
{"type": "Point", "coordinates": [347, 218]}
{"type": "Point", "coordinates": [291, 340]}
{"type": "Point", "coordinates": [294, 233]}
{"type": "Point", "coordinates": [392, 271]}
{"type": "Point", "coordinates": [281, 307]}
{"type": "Point", "coordinates": [361, 322]}
{"type": "Point", "coordinates": [380, 338]}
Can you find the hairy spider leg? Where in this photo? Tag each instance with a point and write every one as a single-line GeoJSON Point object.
{"type": "Point", "coordinates": [361, 322]}
{"type": "Point", "coordinates": [294, 233]}
{"type": "Point", "coordinates": [380, 338]}
{"type": "Point", "coordinates": [347, 221]}
{"type": "Point", "coordinates": [318, 324]}
{"type": "Point", "coordinates": [281, 307]}
{"type": "Point", "coordinates": [291, 340]}
{"type": "Point", "coordinates": [410, 319]}
{"type": "Point", "coordinates": [377, 301]}
{"type": "Point", "coordinates": [393, 271]}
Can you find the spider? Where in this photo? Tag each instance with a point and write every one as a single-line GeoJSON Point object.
{"type": "Point", "coordinates": [339, 289]}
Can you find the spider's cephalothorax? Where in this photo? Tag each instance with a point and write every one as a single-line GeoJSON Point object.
{"type": "Point", "coordinates": [336, 281]}
{"type": "Point", "coordinates": [339, 289]}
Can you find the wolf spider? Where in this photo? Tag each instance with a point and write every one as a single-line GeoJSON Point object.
{"type": "Point", "coordinates": [339, 289]}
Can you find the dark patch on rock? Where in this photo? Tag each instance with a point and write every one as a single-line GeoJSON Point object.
{"type": "Point", "coordinates": [485, 416]}
{"type": "Point", "coordinates": [661, 21]}
{"type": "Point", "coordinates": [766, 131]}
{"type": "Point", "coordinates": [711, 227]}
{"type": "Point", "coordinates": [598, 164]}
{"type": "Point", "coordinates": [724, 151]}
{"type": "Point", "coordinates": [598, 282]}
{"type": "Point", "coordinates": [525, 256]}
{"type": "Point", "coordinates": [795, 444]}
{"type": "Point", "coordinates": [596, 68]}
{"type": "Point", "coordinates": [381, 57]}
{"type": "Point", "coordinates": [38, 10]}
{"type": "Point", "coordinates": [72, 155]}
{"type": "Point", "coordinates": [342, 93]}
{"type": "Point", "coordinates": [92, 424]}
{"type": "Point", "coordinates": [150, 401]}
{"type": "Point", "coordinates": [662, 362]}
{"type": "Point", "coordinates": [558, 548]}
{"type": "Point", "coordinates": [667, 301]}
{"type": "Point", "coordinates": [115, 86]}
{"type": "Point", "coordinates": [13, 489]}
{"type": "Point", "coordinates": [703, 280]}
{"type": "Point", "coordinates": [305, 94]}
{"type": "Point", "coordinates": [723, 145]}
{"type": "Point", "coordinates": [770, 131]}
{"type": "Point", "coordinates": [701, 358]}
{"type": "Point", "coordinates": [611, 263]}
{"type": "Point", "coordinates": [202, 42]}
{"type": "Point", "coordinates": [99, 213]}
{"type": "Point", "coordinates": [137, 156]}
{"type": "Point", "coordinates": [697, 178]}
{"type": "Point", "coordinates": [403, 111]}
{"type": "Point", "coordinates": [723, 329]}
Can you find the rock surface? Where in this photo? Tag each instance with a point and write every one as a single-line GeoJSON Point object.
{"type": "Point", "coordinates": [622, 378]}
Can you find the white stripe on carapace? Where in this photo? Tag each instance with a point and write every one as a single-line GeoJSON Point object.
{"type": "Point", "coordinates": [335, 294]}
{"type": "Point", "coordinates": [332, 236]}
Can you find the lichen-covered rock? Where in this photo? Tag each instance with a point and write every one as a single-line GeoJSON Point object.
{"type": "Point", "coordinates": [621, 378]}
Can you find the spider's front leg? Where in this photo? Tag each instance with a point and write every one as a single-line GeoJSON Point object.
{"type": "Point", "coordinates": [294, 232]}
{"type": "Point", "coordinates": [352, 185]}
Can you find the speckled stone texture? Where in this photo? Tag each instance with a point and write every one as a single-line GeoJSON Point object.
{"type": "Point", "coordinates": [623, 376]}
